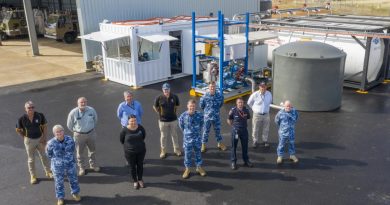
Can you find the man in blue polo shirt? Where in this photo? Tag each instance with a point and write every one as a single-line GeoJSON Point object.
{"type": "Point", "coordinates": [129, 107]}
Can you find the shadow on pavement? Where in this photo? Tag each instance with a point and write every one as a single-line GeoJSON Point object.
{"type": "Point", "coordinates": [318, 145]}
{"type": "Point", "coordinates": [103, 179]}
{"type": "Point", "coordinates": [191, 186]}
{"type": "Point", "coordinates": [170, 161]}
{"type": "Point", "coordinates": [119, 200]}
{"type": "Point", "coordinates": [158, 171]}
{"type": "Point", "coordinates": [257, 175]}
{"type": "Point", "coordinates": [319, 163]}
{"type": "Point", "coordinates": [117, 171]}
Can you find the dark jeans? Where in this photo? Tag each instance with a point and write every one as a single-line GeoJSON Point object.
{"type": "Point", "coordinates": [136, 162]}
{"type": "Point", "coordinates": [243, 137]}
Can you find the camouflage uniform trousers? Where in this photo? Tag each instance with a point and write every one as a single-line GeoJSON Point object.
{"type": "Point", "coordinates": [59, 172]}
{"type": "Point", "coordinates": [188, 147]}
{"type": "Point", "coordinates": [216, 122]}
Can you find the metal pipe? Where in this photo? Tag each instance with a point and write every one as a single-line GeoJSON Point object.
{"type": "Point", "coordinates": [221, 49]}
{"type": "Point", "coordinates": [207, 21]}
{"type": "Point", "coordinates": [366, 63]}
{"type": "Point", "coordinates": [276, 106]}
{"type": "Point", "coordinates": [253, 83]}
{"type": "Point", "coordinates": [235, 22]}
{"type": "Point", "coordinates": [246, 42]}
{"type": "Point", "coordinates": [193, 51]}
{"type": "Point", "coordinates": [235, 17]}
{"type": "Point", "coordinates": [206, 37]}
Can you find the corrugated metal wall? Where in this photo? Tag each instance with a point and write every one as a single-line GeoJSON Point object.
{"type": "Point", "coordinates": [92, 12]}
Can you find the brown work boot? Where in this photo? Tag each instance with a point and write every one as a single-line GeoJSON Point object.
{"type": "Point", "coordinates": [186, 173]}
{"type": "Point", "coordinates": [177, 152]}
{"type": "Point", "coordinates": [279, 160]}
{"type": "Point", "coordinates": [201, 171]}
{"type": "Point", "coordinates": [95, 169]}
{"type": "Point", "coordinates": [163, 154]}
{"type": "Point", "coordinates": [203, 149]}
{"type": "Point", "coordinates": [76, 197]}
{"type": "Point", "coordinates": [294, 158]}
{"type": "Point", "coordinates": [221, 146]}
{"type": "Point", "coordinates": [33, 179]}
{"type": "Point", "coordinates": [60, 202]}
{"type": "Point", "coordinates": [49, 175]}
{"type": "Point", "coordinates": [81, 172]}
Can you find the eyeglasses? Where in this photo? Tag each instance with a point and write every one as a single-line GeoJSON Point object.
{"type": "Point", "coordinates": [30, 108]}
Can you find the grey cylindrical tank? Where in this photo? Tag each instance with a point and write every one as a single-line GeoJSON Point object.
{"type": "Point", "coordinates": [265, 5]}
{"type": "Point", "coordinates": [309, 74]}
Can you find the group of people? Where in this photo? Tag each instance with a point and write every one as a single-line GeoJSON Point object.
{"type": "Point", "coordinates": [64, 151]}
{"type": "Point", "coordinates": [61, 149]}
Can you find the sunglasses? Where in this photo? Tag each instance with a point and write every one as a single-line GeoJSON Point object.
{"type": "Point", "coordinates": [30, 108]}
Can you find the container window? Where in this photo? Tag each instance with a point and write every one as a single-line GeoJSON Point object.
{"type": "Point", "coordinates": [118, 49]}
{"type": "Point", "coordinates": [148, 50]}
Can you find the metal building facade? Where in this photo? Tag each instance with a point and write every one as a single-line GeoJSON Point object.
{"type": "Point", "coordinates": [92, 12]}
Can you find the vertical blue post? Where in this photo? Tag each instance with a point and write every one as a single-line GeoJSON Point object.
{"type": "Point", "coordinates": [247, 41]}
{"type": "Point", "coordinates": [221, 49]}
{"type": "Point", "coordinates": [193, 52]}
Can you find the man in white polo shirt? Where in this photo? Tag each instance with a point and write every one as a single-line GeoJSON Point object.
{"type": "Point", "coordinates": [260, 102]}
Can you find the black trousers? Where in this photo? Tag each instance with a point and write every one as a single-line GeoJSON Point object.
{"type": "Point", "coordinates": [243, 137]}
{"type": "Point", "coordinates": [136, 162]}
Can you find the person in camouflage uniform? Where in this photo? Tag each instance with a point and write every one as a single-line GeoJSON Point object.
{"type": "Point", "coordinates": [191, 123]}
{"type": "Point", "coordinates": [60, 149]}
{"type": "Point", "coordinates": [211, 103]}
{"type": "Point", "coordinates": [286, 119]}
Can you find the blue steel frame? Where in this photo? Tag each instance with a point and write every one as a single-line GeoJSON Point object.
{"type": "Point", "coordinates": [221, 26]}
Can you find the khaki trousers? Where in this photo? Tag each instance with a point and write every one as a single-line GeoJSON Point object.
{"type": "Point", "coordinates": [82, 141]}
{"type": "Point", "coordinates": [258, 121]}
{"type": "Point", "coordinates": [169, 129]}
{"type": "Point", "coordinates": [33, 145]}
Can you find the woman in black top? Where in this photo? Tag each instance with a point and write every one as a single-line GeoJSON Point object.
{"type": "Point", "coordinates": [132, 137]}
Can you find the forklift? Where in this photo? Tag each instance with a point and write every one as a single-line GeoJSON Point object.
{"type": "Point", "coordinates": [62, 27]}
{"type": "Point", "coordinates": [14, 24]}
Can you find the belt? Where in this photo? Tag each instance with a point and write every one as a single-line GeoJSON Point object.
{"type": "Point", "coordinates": [84, 133]}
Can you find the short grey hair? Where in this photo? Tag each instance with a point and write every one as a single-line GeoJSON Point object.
{"type": "Point", "coordinates": [126, 93]}
{"type": "Point", "coordinates": [57, 127]}
{"type": "Point", "coordinates": [82, 98]}
{"type": "Point", "coordinates": [28, 103]}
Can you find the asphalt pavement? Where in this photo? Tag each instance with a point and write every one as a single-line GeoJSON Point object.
{"type": "Point", "coordinates": [344, 154]}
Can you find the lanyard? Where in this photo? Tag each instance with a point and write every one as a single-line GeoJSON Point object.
{"type": "Point", "coordinates": [241, 113]}
{"type": "Point", "coordinates": [131, 106]}
{"type": "Point", "coordinates": [78, 114]}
